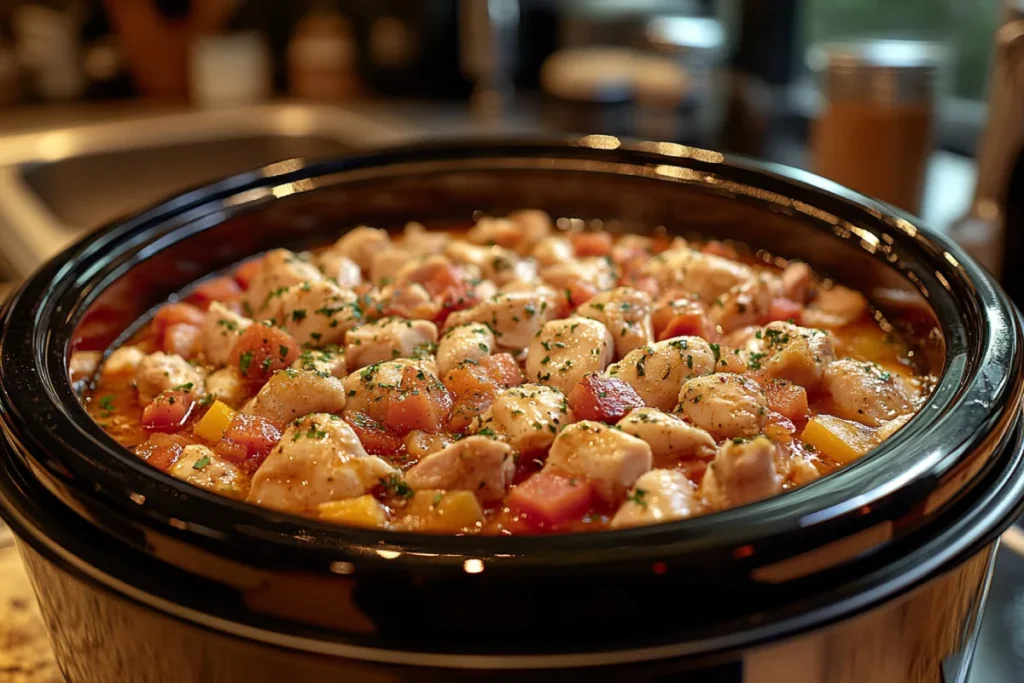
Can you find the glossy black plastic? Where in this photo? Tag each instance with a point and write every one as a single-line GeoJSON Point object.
{"type": "Point", "coordinates": [937, 493]}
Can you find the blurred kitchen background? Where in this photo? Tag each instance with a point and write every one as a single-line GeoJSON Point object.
{"type": "Point", "coordinates": [107, 105]}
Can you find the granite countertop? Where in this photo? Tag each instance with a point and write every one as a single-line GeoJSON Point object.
{"type": "Point", "coordinates": [25, 654]}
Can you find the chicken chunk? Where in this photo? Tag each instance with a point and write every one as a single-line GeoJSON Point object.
{"type": "Point", "coordinates": [594, 270]}
{"type": "Point", "coordinates": [497, 264]}
{"type": "Point", "coordinates": [552, 251]}
{"type": "Point", "coordinates": [626, 312]}
{"type": "Point", "coordinates": [227, 386]}
{"type": "Point", "coordinates": [514, 317]}
{"type": "Point", "coordinates": [494, 231]}
{"type": "Point", "coordinates": [526, 417]}
{"type": "Point", "coordinates": [290, 394]}
{"type": "Point", "coordinates": [567, 349]}
{"type": "Point", "coordinates": [705, 275]}
{"type": "Point", "coordinates": [609, 458]}
{"type": "Point", "coordinates": [478, 464]}
{"type": "Point", "coordinates": [472, 341]}
{"type": "Point", "coordinates": [408, 300]}
{"type": "Point", "coordinates": [318, 459]}
{"type": "Point", "coordinates": [340, 268]}
{"type": "Point", "coordinates": [742, 472]}
{"type": "Point", "coordinates": [160, 371]}
{"type": "Point", "coordinates": [360, 244]}
{"type": "Point", "coordinates": [657, 371]}
{"type": "Point", "coordinates": [367, 390]}
{"type": "Point", "coordinates": [279, 270]}
{"type": "Point", "coordinates": [797, 354]}
{"type": "Point", "coordinates": [317, 313]}
{"type": "Point", "coordinates": [220, 330]}
{"type": "Point", "coordinates": [725, 405]}
{"type": "Point", "coordinates": [419, 241]}
{"type": "Point", "coordinates": [329, 360]}
{"type": "Point", "coordinates": [387, 339]}
{"type": "Point", "coordinates": [670, 438]}
{"type": "Point", "coordinates": [123, 360]}
{"type": "Point", "coordinates": [742, 305]}
{"type": "Point", "coordinates": [533, 225]}
{"type": "Point", "coordinates": [199, 466]}
{"type": "Point", "coordinates": [387, 264]}
{"type": "Point", "coordinates": [658, 496]}
{"type": "Point", "coordinates": [797, 282]}
{"type": "Point", "coordinates": [864, 392]}
{"type": "Point", "coordinates": [835, 307]}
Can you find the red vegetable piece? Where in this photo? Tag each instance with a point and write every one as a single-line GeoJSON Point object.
{"type": "Point", "coordinates": [591, 243]}
{"type": "Point", "coordinates": [162, 450]}
{"type": "Point", "coordinates": [580, 292]}
{"type": "Point", "coordinates": [547, 499]}
{"type": "Point", "coordinates": [262, 350]}
{"type": "Point", "coordinates": [504, 369]}
{"type": "Point", "coordinates": [603, 399]}
{"type": "Point", "coordinates": [784, 309]}
{"type": "Point", "coordinates": [787, 399]}
{"type": "Point", "coordinates": [245, 273]}
{"type": "Point", "coordinates": [248, 440]}
{"type": "Point", "coordinates": [168, 411]}
{"type": "Point", "coordinates": [420, 404]}
{"type": "Point", "coordinates": [174, 314]}
{"type": "Point", "coordinates": [223, 289]}
{"type": "Point", "coordinates": [182, 339]}
{"type": "Point", "coordinates": [374, 438]}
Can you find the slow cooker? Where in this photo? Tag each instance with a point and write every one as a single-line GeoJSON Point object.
{"type": "Point", "coordinates": [877, 572]}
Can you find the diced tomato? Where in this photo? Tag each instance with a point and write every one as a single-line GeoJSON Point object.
{"type": "Point", "coordinates": [784, 309]}
{"type": "Point", "coordinates": [645, 283]}
{"type": "Point", "coordinates": [262, 350]}
{"type": "Point", "coordinates": [174, 314]}
{"type": "Point", "coordinates": [504, 369]}
{"type": "Point", "coordinates": [455, 300]}
{"type": "Point", "coordinates": [421, 403]}
{"type": "Point", "coordinates": [373, 436]}
{"type": "Point", "coordinates": [722, 249]}
{"type": "Point", "coordinates": [778, 427]}
{"type": "Point", "coordinates": [168, 411]}
{"type": "Point", "coordinates": [680, 317]}
{"type": "Point", "coordinates": [580, 292]}
{"type": "Point", "coordinates": [591, 243]}
{"type": "Point", "coordinates": [604, 399]}
{"type": "Point", "coordinates": [786, 398]}
{"type": "Point", "coordinates": [182, 339]}
{"type": "Point", "coordinates": [248, 440]}
{"type": "Point", "coordinates": [685, 325]}
{"type": "Point", "coordinates": [547, 499]}
{"type": "Point", "coordinates": [245, 273]}
{"type": "Point", "coordinates": [467, 408]}
{"type": "Point", "coordinates": [162, 450]}
{"type": "Point", "coordinates": [223, 289]}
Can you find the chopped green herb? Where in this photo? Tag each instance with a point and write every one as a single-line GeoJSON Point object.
{"type": "Point", "coordinates": [201, 462]}
{"type": "Point", "coordinates": [244, 361]}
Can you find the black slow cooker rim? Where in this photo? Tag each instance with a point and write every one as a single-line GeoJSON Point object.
{"type": "Point", "coordinates": [40, 317]}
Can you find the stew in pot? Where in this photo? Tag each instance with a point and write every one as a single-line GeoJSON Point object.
{"type": "Point", "coordinates": [511, 378]}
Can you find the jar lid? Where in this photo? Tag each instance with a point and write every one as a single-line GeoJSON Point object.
{"type": "Point", "coordinates": [885, 71]}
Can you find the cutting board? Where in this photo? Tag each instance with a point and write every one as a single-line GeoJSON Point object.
{"type": "Point", "coordinates": [25, 655]}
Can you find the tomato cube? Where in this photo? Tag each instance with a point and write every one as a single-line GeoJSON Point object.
{"type": "Point", "coordinates": [504, 369]}
{"type": "Point", "coordinates": [174, 314]}
{"type": "Point", "coordinates": [421, 403]}
{"type": "Point", "coordinates": [547, 499]}
{"type": "Point", "coordinates": [784, 309]}
{"type": "Point", "coordinates": [245, 273]}
{"type": "Point", "coordinates": [223, 289]}
{"type": "Point", "coordinates": [580, 292]}
{"type": "Point", "coordinates": [262, 350]}
{"type": "Point", "coordinates": [603, 399]}
{"type": "Point", "coordinates": [168, 411]}
{"type": "Point", "coordinates": [162, 450]}
{"type": "Point", "coordinates": [248, 440]}
{"type": "Point", "coordinates": [373, 436]}
{"type": "Point", "coordinates": [591, 243]}
{"type": "Point", "coordinates": [787, 399]}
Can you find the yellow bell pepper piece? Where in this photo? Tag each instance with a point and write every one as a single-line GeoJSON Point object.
{"type": "Point", "coordinates": [364, 511]}
{"type": "Point", "coordinates": [840, 440]}
{"type": "Point", "coordinates": [442, 512]}
{"type": "Point", "coordinates": [212, 425]}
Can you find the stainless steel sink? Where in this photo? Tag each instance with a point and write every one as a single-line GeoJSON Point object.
{"type": "Point", "coordinates": [57, 183]}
